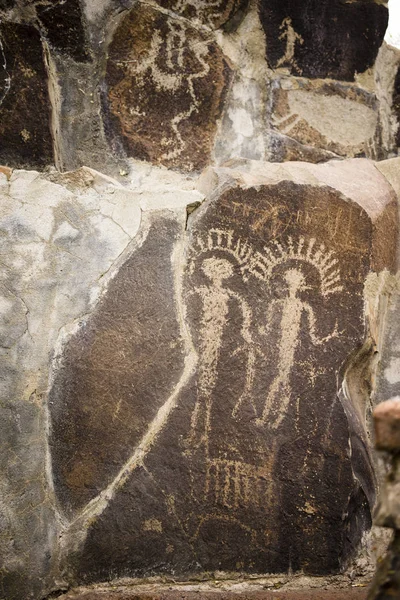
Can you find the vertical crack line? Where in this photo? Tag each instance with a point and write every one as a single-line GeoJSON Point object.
{"type": "Point", "coordinates": [7, 79]}
{"type": "Point", "coordinates": [74, 536]}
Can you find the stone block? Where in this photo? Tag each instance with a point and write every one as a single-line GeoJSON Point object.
{"type": "Point", "coordinates": [206, 417]}
{"type": "Point", "coordinates": [25, 136]}
{"type": "Point", "coordinates": [323, 38]}
{"type": "Point", "coordinates": [166, 83]}
{"type": "Point", "coordinates": [396, 107]}
{"type": "Point", "coordinates": [223, 13]}
{"type": "Point", "coordinates": [63, 25]}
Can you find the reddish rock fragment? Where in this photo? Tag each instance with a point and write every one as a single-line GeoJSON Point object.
{"type": "Point", "coordinates": [387, 425]}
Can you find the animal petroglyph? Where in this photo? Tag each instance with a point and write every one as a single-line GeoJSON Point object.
{"type": "Point", "coordinates": [291, 37]}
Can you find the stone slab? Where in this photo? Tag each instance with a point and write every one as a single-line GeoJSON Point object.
{"type": "Point", "coordinates": [63, 25]}
{"type": "Point", "coordinates": [166, 83]}
{"type": "Point", "coordinates": [387, 425]}
{"type": "Point", "coordinates": [115, 371]}
{"type": "Point", "coordinates": [301, 37]}
{"type": "Point", "coordinates": [329, 116]}
{"type": "Point", "coordinates": [396, 107]}
{"type": "Point", "coordinates": [216, 14]}
{"type": "Point", "coordinates": [251, 470]}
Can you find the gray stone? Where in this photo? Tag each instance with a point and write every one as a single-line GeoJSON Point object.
{"type": "Point", "coordinates": [56, 247]}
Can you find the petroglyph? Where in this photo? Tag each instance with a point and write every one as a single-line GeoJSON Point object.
{"type": "Point", "coordinates": [293, 309]}
{"type": "Point", "coordinates": [213, 14]}
{"type": "Point", "coordinates": [216, 301]}
{"type": "Point", "coordinates": [5, 78]}
{"type": "Point", "coordinates": [166, 83]}
{"type": "Point", "coordinates": [292, 38]}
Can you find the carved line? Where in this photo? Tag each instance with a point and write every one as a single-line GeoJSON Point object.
{"type": "Point", "coordinates": [8, 78]}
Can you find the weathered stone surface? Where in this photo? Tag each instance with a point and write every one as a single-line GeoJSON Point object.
{"type": "Point", "coordinates": [179, 594]}
{"type": "Point", "coordinates": [116, 372]}
{"type": "Point", "coordinates": [25, 137]}
{"type": "Point", "coordinates": [62, 24]}
{"type": "Point", "coordinates": [166, 84]}
{"type": "Point", "coordinates": [387, 425]}
{"type": "Point", "coordinates": [214, 14]}
{"type": "Point", "coordinates": [323, 39]}
{"type": "Point", "coordinates": [327, 116]}
{"type": "Point", "coordinates": [58, 240]}
{"type": "Point", "coordinates": [248, 468]}
{"type": "Point", "coordinates": [386, 584]}
{"type": "Point", "coordinates": [396, 107]}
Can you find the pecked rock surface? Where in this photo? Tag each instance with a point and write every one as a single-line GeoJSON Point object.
{"type": "Point", "coordinates": [209, 414]}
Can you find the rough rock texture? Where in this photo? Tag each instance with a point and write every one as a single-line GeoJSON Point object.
{"type": "Point", "coordinates": [58, 240]}
{"type": "Point", "coordinates": [337, 118]}
{"type": "Point", "coordinates": [386, 583]}
{"type": "Point", "coordinates": [25, 137]}
{"type": "Point", "coordinates": [187, 388]}
{"type": "Point", "coordinates": [388, 372]}
{"type": "Point", "coordinates": [166, 83]}
{"type": "Point", "coordinates": [114, 374]}
{"type": "Point", "coordinates": [214, 14]}
{"type": "Point", "coordinates": [62, 25]}
{"type": "Point", "coordinates": [173, 405]}
{"type": "Point", "coordinates": [323, 38]}
{"type": "Point", "coordinates": [307, 594]}
{"type": "Point", "coordinates": [396, 106]}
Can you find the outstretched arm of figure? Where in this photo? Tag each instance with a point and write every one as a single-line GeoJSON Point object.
{"type": "Point", "coordinates": [316, 340]}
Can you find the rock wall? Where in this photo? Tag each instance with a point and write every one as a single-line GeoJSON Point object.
{"type": "Point", "coordinates": [199, 287]}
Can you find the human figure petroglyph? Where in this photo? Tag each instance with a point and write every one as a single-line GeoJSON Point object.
{"type": "Point", "coordinates": [293, 308]}
{"type": "Point", "coordinates": [216, 299]}
{"type": "Point", "coordinates": [228, 479]}
{"type": "Point", "coordinates": [291, 37]}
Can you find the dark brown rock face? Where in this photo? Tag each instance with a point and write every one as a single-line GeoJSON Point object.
{"type": "Point", "coordinates": [213, 14]}
{"type": "Point", "coordinates": [323, 38]}
{"type": "Point", "coordinates": [62, 24]}
{"type": "Point", "coordinates": [251, 469]}
{"type": "Point", "coordinates": [116, 372]}
{"type": "Point", "coordinates": [25, 137]}
{"type": "Point", "coordinates": [166, 83]}
{"type": "Point", "coordinates": [396, 106]}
